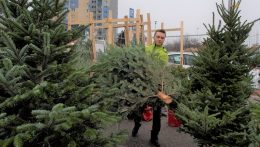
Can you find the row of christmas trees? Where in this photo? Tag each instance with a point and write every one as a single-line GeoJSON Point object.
{"type": "Point", "coordinates": [52, 95]}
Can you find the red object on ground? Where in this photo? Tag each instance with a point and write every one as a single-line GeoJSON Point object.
{"type": "Point", "coordinates": [172, 120]}
{"type": "Point", "coordinates": [148, 113]}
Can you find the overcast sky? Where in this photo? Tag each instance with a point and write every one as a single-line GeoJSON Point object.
{"type": "Point", "coordinates": [193, 12]}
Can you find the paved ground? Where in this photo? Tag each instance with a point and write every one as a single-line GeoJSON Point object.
{"type": "Point", "coordinates": [169, 137]}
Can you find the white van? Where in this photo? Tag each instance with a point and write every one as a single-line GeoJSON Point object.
{"type": "Point", "coordinates": [175, 58]}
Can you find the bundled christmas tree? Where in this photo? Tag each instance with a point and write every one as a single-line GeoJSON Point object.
{"type": "Point", "coordinates": [215, 108]}
{"type": "Point", "coordinates": [129, 77]}
{"type": "Point", "coordinates": [44, 99]}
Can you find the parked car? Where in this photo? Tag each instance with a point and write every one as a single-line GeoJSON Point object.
{"type": "Point", "coordinates": [175, 58]}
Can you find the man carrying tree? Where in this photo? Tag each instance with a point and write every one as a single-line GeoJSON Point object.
{"type": "Point", "coordinates": [158, 53]}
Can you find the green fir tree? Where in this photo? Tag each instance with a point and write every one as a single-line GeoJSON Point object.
{"type": "Point", "coordinates": [44, 99]}
{"type": "Point", "coordinates": [254, 126]}
{"type": "Point", "coordinates": [214, 108]}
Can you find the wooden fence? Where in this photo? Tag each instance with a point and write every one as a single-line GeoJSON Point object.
{"type": "Point", "coordinates": [126, 23]}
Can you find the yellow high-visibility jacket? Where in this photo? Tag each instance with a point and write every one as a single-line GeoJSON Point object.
{"type": "Point", "coordinates": [157, 52]}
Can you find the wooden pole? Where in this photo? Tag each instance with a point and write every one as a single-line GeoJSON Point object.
{"type": "Point", "coordinates": [110, 29]}
{"type": "Point", "coordinates": [142, 29]}
{"type": "Point", "coordinates": [149, 30]}
{"type": "Point", "coordinates": [115, 26]}
{"type": "Point", "coordinates": [126, 32]}
{"type": "Point", "coordinates": [167, 30]}
{"type": "Point", "coordinates": [182, 43]}
{"type": "Point", "coordinates": [137, 27]}
{"type": "Point", "coordinates": [115, 20]}
{"type": "Point", "coordinates": [131, 35]}
{"type": "Point", "coordinates": [92, 36]}
{"type": "Point", "coordinates": [69, 20]}
{"type": "Point", "coordinates": [162, 25]}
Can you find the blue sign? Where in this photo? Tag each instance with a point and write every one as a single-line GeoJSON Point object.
{"type": "Point", "coordinates": [105, 12]}
{"type": "Point", "coordinates": [74, 4]}
{"type": "Point", "coordinates": [131, 13]}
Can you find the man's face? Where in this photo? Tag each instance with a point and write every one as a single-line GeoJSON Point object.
{"type": "Point", "coordinates": [159, 38]}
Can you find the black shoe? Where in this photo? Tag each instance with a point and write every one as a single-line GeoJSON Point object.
{"type": "Point", "coordinates": [135, 130]}
{"type": "Point", "coordinates": [134, 133]}
{"type": "Point", "coordinates": [155, 143]}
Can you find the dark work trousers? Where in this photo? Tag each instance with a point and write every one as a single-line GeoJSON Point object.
{"type": "Point", "coordinates": [156, 127]}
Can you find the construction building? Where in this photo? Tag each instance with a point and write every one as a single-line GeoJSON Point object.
{"type": "Point", "coordinates": [100, 8]}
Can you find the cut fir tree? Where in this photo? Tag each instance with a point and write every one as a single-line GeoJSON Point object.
{"type": "Point", "coordinates": [128, 76]}
{"type": "Point", "coordinates": [44, 100]}
{"type": "Point", "coordinates": [215, 111]}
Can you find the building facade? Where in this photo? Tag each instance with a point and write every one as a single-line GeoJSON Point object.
{"type": "Point", "coordinates": [100, 8]}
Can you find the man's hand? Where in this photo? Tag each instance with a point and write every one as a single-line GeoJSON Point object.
{"type": "Point", "coordinates": [165, 98]}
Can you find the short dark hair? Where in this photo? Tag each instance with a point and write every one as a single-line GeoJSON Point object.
{"type": "Point", "coordinates": [160, 30]}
